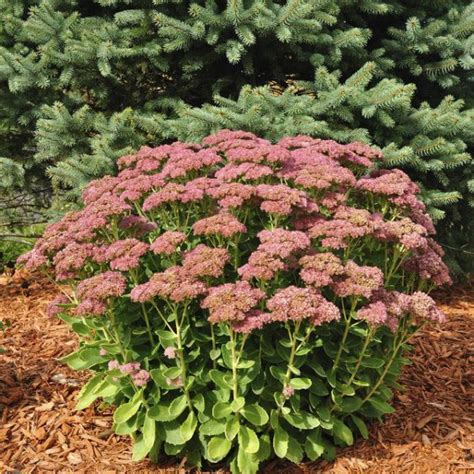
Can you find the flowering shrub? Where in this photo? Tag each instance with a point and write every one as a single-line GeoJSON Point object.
{"type": "Point", "coordinates": [240, 300]}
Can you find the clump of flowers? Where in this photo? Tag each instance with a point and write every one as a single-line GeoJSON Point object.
{"type": "Point", "coordinates": [240, 300]}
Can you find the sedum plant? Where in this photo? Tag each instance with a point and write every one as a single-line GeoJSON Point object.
{"type": "Point", "coordinates": [240, 300]}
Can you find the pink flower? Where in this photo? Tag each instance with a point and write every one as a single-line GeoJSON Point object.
{"type": "Point", "coordinates": [295, 304]}
{"type": "Point", "coordinates": [204, 261]}
{"type": "Point", "coordinates": [170, 352]}
{"type": "Point", "coordinates": [175, 284]}
{"type": "Point", "coordinates": [282, 243]}
{"type": "Point", "coordinates": [358, 281]}
{"type": "Point", "coordinates": [261, 265]}
{"type": "Point", "coordinates": [102, 352]}
{"type": "Point", "coordinates": [254, 319]}
{"type": "Point", "coordinates": [424, 307]}
{"type": "Point", "coordinates": [55, 307]}
{"type": "Point", "coordinates": [130, 368]}
{"type": "Point", "coordinates": [141, 378]}
{"type": "Point", "coordinates": [231, 301]}
{"type": "Point", "coordinates": [232, 194]}
{"type": "Point", "coordinates": [249, 171]}
{"type": "Point", "coordinates": [374, 313]}
{"type": "Point", "coordinates": [389, 182]}
{"type": "Point", "coordinates": [137, 224]}
{"type": "Point", "coordinates": [113, 364]}
{"type": "Point", "coordinates": [102, 286]}
{"type": "Point", "coordinates": [224, 224]}
{"type": "Point", "coordinates": [125, 254]}
{"type": "Point", "coordinates": [319, 269]}
{"type": "Point", "coordinates": [288, 391]}
{"type": "Point", "coordinates": [168, 242]}
{"type": "Point", "coordinates": [90, 307]}
{"type": "Point", "coordinates": [280, 199]}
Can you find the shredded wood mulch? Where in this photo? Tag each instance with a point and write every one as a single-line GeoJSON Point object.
{"type": "Point", "coordinates": [40, 432]}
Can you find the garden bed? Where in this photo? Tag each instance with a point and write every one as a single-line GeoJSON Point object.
{"type": "Point", "coordinates": [431, 430]}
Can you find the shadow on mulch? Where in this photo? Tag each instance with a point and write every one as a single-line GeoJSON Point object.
{"type": "Point", "coordinates": [431, 431]}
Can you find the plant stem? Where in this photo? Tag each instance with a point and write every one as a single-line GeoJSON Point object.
{"type": "Point", "coordinates": [235, 386]}
{"type": "Point", "coordinates": [148, 326]}
{"type": "Point", "coordinates": [368, 338]}
{"type": "Point", "coordinates": [213, 338]}
{"type": "Point", "coordinates": [182, 361]}
{"type": "Point", "coordinates": [347, 327]}
{"type": "Point", "coordinates": [291, 359]}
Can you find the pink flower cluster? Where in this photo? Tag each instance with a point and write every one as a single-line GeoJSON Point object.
{"type": "Point", "coordinates": [231, 301]}
{"type": "Point", "coordinates": [295, 304]}
{"type": "Point", "coordinates": [358, 280]}
{"type": "Point", "coordinates": [223, 224]}
{"type": "Point", "coordinates": [243, 211]}
{"type": "Point", "coordinates": [318, 270]}
{"type": "Point", "coordinates": [174, 284]}
{"type": "Point", "coordinates": [139, 376]}
{"type": "Point", "coordinates": [125, 254]}
{"type": "Point", "coordinates": [94, 292]}
{"type": "Point", "coordinates": [270, 255]}
{"type": "Point", "coordinates": [168, 242]}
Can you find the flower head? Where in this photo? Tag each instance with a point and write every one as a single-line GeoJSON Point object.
{"type": "Point", "coordinates": [231, 301]}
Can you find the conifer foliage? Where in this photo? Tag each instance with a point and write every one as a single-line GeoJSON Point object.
{"type": "Point", "coordinates": [83, 83]}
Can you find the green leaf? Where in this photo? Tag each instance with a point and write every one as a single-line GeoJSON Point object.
{"type": "Point", "coordinates": [237, 404]}
{"type": "Point", "coordinates": [373, 363]}
{"type": "Point", "coordinates": [173, 434]}
{"type": "Point", "coordinates": [295, 451]}
{"type": "Point", "coordinates": [212, 427]}
{"type": "Point", "coordinates": [160, 412]}
{"type": "Point", "coordinates": [178, 405]}
{"type": "Point", "coordinates": [232, 427]}
{"type": "Point", "coordinates": [126, 411]}
{"type": "Point", "coordinates": [248, 440]}
{"type": "Point", "coordinates": [86, 395]}
{"type": "Point", "coordinates": [214, 354]}
{"type": "Point", "coordinates": [221, 410]}
{"type": "Point", "coordinates": [255, 414]}
{"type": "Point", "coordinates": [265, 449]}
{"type": "Point", "coordinates": [218, 448]}
{"type": "Point", "coordinates": [140, 449]}
{"type": "Point", "coordinates": [343, 432]}
{"type": "Point", "coordinates": [189, 427]}
{"type": "Point", "coordinates": [302, 420]}
{"type": "Point", "coordinates": [280, 441]}
{"type": "Point", "coordinates": [83, 358]}
{"type": "Point", "coordinates": [350, 404]}
{"type": "Point", "coordinates": [199, 402]}
{"type": "Point", "coordinates": [313, 445]}
{"type": "Point", "coordinates": [361, 426]}
{"type": "Point", "coordinates": [220, 379]}
{"type": "Point", "coordinates": [246, 463]}
{"type": "Point", "coordinates": [149, 432]}
{"type": "Point", "coordinates": [381, 406]}
{"type": "Point", "coordinates": [300, 383]}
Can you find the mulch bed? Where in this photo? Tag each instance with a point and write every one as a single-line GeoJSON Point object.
{"type": "Point", "coordinates": [431, 431]}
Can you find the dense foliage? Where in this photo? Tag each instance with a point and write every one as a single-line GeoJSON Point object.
{"type": "Point", "coordinates": [239, 300]}
{"type": "Point", "coordinates": [82, 83]}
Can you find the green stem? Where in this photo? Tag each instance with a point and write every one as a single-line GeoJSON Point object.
{"type": "Point", "coordinates": [148, 326]}
{"type": "Point", "coordinates": [213, 339]}
{"type": "Point", "coordinates": [182, 361]}
{"type": "Point", "coordinates": [347, 319]}
{"type": "Point", "coordinates": [294, 348]}
{"type": "Point", "coordinates": [368, 338]}
{"type": "Point", "coordinates": [235, 386]}
{"type": "Point", "coordinates": [160, 314]}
